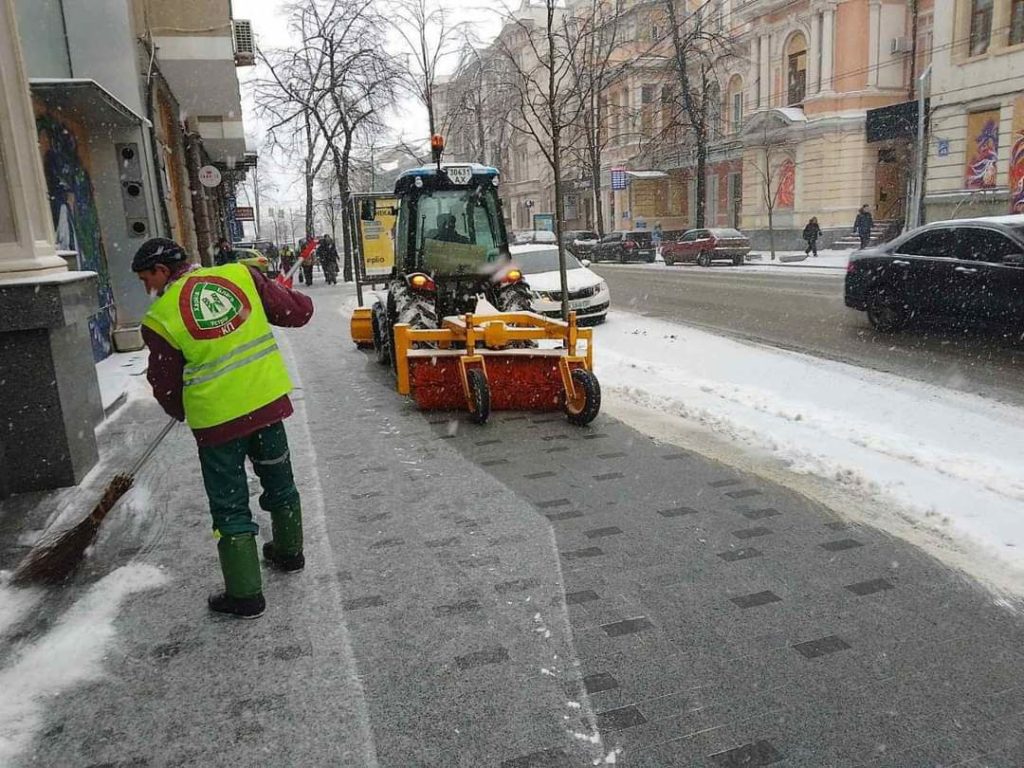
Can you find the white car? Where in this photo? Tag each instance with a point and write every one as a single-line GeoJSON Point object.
{"type": "Point", "coordinates": [535, 236]}
{"type": "Point", "coordinates": [588, 292]}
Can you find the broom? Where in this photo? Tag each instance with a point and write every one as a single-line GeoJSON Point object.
{"type": "Point", "coordinates": [56, 556]}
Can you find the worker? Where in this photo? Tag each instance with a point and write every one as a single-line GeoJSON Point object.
{"type": "Point", "coordinates": [446, 231]}
{"type": "Point", "coordinates": [214, 363]}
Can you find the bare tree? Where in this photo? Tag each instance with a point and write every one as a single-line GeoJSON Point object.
{"type": "Point", "coordinates": [772, 164]}
{"type": "Point", "coordinates": [329, 202]}
{"type": "Point", "coordinates": [430, 34]}
{"type": "Point", "coordinates": [333, 86]}
{"type": "Point", "coordinates": [699, 47]}
{"type": "Point", "coordinates": [537, 80]}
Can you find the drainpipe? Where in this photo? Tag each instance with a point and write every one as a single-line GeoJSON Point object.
{"type": "Point", "coordinates": [917, 209]}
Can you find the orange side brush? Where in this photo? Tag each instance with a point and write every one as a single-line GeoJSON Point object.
{"type": "Point", "coordinates": [518, 382]}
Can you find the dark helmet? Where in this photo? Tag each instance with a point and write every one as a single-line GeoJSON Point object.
{"type": "Point", "coordinates": [157, 250]}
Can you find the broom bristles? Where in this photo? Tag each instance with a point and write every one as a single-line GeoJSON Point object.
{"type": "Point", "coordinates": [54, 558]}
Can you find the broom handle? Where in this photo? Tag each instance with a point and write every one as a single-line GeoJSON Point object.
{"type": "Point", "coordinates": [152, 447]}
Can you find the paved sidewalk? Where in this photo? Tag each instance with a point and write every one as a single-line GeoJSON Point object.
{"type": "Point", "coordinates": [523, 594]}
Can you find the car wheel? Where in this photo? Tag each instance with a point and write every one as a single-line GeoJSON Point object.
{"type": "Point", "coordinates": [669, 261]}
{"type": "Point", "coordinates": [704, 259]}
{"type": "Point", "coordinates": [737, 261]}
{"type": "Point", "coordinates": [622, 258]}
{"type": "Point", "coordinates": [886, 312]}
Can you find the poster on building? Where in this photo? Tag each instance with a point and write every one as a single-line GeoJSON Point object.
{"type": "Point", "coordinates": [980, 171]}
{"type": "Point", "coordinates": [377, 218]}
{"type": "Point", "coordinates": [1017, 157]}
{"type": "Point", "coordinates": [785, 196]}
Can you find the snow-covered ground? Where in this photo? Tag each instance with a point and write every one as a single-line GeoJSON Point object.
{"type": "Point", "coordinates": [761, 261]}
{"type": "Point", "coordinates": [944, 466]}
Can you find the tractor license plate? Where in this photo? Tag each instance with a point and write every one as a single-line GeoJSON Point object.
{"type": "Point", "coordinates": [460, 175]}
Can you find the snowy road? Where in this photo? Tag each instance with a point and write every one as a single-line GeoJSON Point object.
{"type": "Point", "coordinates": [802, 309]}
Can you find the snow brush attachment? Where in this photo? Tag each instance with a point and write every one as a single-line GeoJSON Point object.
{"type": "Point", "coordinates": [54, 558]}
{"type": "Point", "coordinates": [488, 361]}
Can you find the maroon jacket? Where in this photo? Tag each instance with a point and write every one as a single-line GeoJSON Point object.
{"type": "Point", "coordinates": [284, 307]}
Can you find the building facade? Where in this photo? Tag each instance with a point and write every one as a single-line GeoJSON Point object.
{"type": "Point", "coordinates": [975, 160]}
{"type": "Point", "coordinates": [129, 106]}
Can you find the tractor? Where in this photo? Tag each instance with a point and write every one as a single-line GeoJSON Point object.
{"type": "Point", "coordinates": [456, 305]}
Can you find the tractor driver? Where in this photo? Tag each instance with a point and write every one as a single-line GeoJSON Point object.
{"type": "Point", "coordinates": [446, 231]}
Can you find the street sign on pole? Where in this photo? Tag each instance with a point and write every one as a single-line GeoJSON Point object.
{"type": "Point", "coordinates": [209, 176]}
{"type": "Point", "coordinates": [245, 213]}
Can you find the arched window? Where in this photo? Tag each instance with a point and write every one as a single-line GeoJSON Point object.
{"type": "Point", "coordinates": [734, 104]}
{"type": "Point", "coordinates": [796, 69]}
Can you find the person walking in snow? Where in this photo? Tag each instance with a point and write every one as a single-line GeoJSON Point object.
{"type": "Point", "coordinates": [863, 225]}
{"type": "Point", "coordinates": [214, 363]}
{"type": "Point", "coordinates": [811, 234]}
{"type": "Point", "coordinates": [327, 255]}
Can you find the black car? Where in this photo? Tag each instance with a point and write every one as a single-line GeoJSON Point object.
{"type": "Point", "coordinates": [964, 269]}
{"type": "Point", "coordinates": [635, 245]}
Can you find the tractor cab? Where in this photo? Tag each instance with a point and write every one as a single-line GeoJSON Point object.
{"type": "Point", "coordinates": [450, 222]}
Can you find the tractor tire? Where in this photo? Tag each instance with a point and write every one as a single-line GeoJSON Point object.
{"type": "Point", "coordinates": [586, 406]}
{"type": "Point", "coordinates": [412, 308]}
{"type": "Point", "coordinates": [514, 298]}
{"type": "Point", "coordinates": [480, 394]}
{"type": "Point", "coordinates": [703, 259]}
{"type": "Point", "coordinates": [381, 336]}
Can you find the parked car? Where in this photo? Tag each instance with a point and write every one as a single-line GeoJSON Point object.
{"type": "Point", "coordinates": [964, 269]}
{"type": "Point", "coordinates": [634, 245]}
{"type": "Point", "coordinates": [580, 242]}
{"type": "Point", "coordinates": [705, 246]}
{"type": "Point", "coordinates": [588, 292]}
{"type": "Point", "coordinates": [252, 258]}
{"type": "Point", "coordinates": [535, 236]}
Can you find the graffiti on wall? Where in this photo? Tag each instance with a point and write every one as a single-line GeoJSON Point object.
{"type": "Point", "coordinates": [785, 197]}
{"type": "Point", "coordinates": [982, 149]}
{"type": "Point", "coordinates": [1017, 158]}
{"type": "Point", "coordinates": [75, 218]}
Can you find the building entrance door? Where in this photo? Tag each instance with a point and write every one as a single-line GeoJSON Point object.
{"type": "Point", "coordinates": [890, 187]}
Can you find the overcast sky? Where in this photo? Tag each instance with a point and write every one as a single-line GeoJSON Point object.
{"type": "Point", "coordinates": [270, 27]}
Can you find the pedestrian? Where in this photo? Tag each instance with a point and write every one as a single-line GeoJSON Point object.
{"type": "Point", "coordinates": [811, 234]}
{"type": "Point", "coordinates": [656, 237]}
{"type": "Point", "coordinates": [307, 262]}
{"type": "Point", "coordinates": [213, 363]}
{"type": "Point", "coordinates": [327, 255]}
{"type": "Point", "coordinates": [863, 226]}
{"type": "Point", "coordinates": [224, 253]}
{"type": "Point", "coordinates": [287, 259]}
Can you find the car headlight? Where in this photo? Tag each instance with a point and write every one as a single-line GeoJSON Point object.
{"type": "Point", "coordinates": [540, 296]}
{"type": "Point", "coordinates": [600, 287]}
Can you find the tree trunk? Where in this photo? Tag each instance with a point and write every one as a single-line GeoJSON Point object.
{"type": "Point", "coordinates": [556, 158]}
{"type": "Point", "coordinates": [309, 177]}
{"type": "Point", "coordinates": [771, 232]}
{"type": "Point", "coordinates": [342, 169]}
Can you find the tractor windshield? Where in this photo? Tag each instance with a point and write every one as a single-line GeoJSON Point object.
{"type": "Point", "coordinates": [457, 230]}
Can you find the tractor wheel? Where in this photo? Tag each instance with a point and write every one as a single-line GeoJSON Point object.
{"type": "Point", "coordinates": [480, 394]}
{"type": "Point", "coordinates": [704, 259]}
{"type": "Point", "coordinates": [514, 298]}
{"type": "Point", "coordinates": [381, 336]}
{"type": "Point", "coordinates": [412, 308]}
{"type": "Point", "coordinates": [584, 408]}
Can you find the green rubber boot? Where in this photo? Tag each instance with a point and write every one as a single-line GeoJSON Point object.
{"type": "Point", "coordinates": [285, 551]}
{"type": "Point", "coordinates": [243, 585]}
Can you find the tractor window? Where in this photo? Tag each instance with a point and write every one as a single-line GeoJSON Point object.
{"type": "Point", "coordinates": [457, 230]}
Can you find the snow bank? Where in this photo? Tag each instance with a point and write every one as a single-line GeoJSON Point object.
{"type": "Point", "coordinates": [69, 654]}
{"type": "Point", "coordinates": [947, 460]}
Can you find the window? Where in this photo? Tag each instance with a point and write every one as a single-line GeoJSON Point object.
{"type": "Point", "coordinates": [737, 112]}
{"type": "Point", "coordinates": [647, 94]}
{"type": "Point", "coordinates": [981, 26]}
{"type": "Point", "coordinates": [984, 245]}
{"type": "Point", "coordinates": [1017, 22]}
{"type": "Point", "coordinates": [797, 70]}
{"type": "Point", "coordinates": [935, 243]}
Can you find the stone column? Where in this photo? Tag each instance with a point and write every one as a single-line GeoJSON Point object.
{"type": "Point", "coordinates": [874, 41]}
{"type": "Point", "coordinates": [813, 55]}
{"type": "Point", "coordinates": [766, 71]}
{"type": "Point", "coordinates": [51, 399]}
{"type": "Point", "coordinates": [828, 50]}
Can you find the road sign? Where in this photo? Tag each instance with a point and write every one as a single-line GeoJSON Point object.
{"type": "Point", "coordinates": [209, 176]}
{"type": "Point", "coordinates": [245, 214]}
{"type": "Point", "coordinates": [943, 147]}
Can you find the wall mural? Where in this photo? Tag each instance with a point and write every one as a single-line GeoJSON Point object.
{"type": "Point", "coordinates": [785, 196]}
{"type": "Point", "coordinates": [982, 150]}
{"type": "Point", "coordinates": [1017, 158]}
{"type": "Point", "coordinates": [75, 219]}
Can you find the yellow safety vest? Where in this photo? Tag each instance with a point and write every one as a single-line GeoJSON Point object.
{"type": "Point", "coordinates": [232, 364]}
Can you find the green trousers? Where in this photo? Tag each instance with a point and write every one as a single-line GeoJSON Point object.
{"type": "Point", "coordinates": [228, 488]}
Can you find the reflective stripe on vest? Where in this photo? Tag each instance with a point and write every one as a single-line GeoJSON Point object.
{"type": "Point", "coordinates": [232, 364]}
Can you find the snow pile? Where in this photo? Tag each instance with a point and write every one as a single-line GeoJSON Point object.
{"type": "Point", "coordinates": [69, 654]}
{"type": "Point", "coordinates": [950, 461]}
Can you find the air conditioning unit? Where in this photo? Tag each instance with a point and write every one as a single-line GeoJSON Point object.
{"type": "Point", "coordinates": [245, 44]}
{"type": "Point", "coordinates": [900, 45]}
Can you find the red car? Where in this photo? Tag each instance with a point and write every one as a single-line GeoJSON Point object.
{"type": "Point", "coordinates": [704, 246]}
